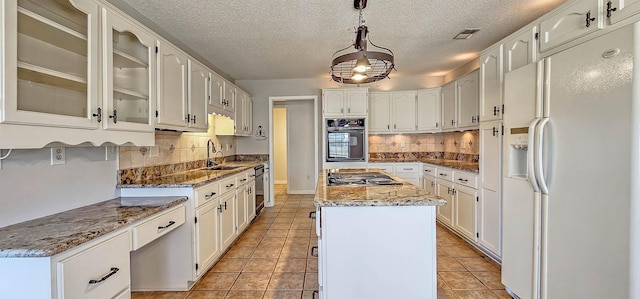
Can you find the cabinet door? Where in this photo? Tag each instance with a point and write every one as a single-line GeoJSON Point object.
{"type": "Point", "coordinates": [403, 111]}
{"type": "Point", "coordinates": [333, 102]}
{"type": "Point", "coordinates": [248, 115]}
{"type": "Point", "coordinates": [230, 97]}
{"type": "Point", "coordinates": [449, 105]}
{"type": "Point", "coordinates": [129, 70]}
{"type": "Point", "coordinates": [465, 211]}
{"type": "Point", "coordinates": [490, 155]}
{"type": "Point", "coordinates": [251, 199]}
{"type": "Point", "coordinates": [379, 115]}
{"type": "Point", "coordinates": [50, 63]}
{"type": "Point", "coordinates": [624, 9]}
{"type": "Point", "coordinates": [489, 221]}
{"type": "Point", "coordinates": [574, 21]}
{"type": "Point", "coordinates": [217, 93]}
{"type": "Point", "coordinates": [520, 50]}
{"type": "Point", "coordinates": [491, 78]}
{"type": "Point", "coordinates": [172, 86]}
{"type": "Point", "coordinates": [198, 95]}
{"type": "Point", "coordinates": [468, 97]}
{"type": "Point", "coordinates": [241, 207]}
{"type": "Point", "coordinates": [207, 241]}
{"type": "Point", "coordinates": [228, 230]}
{"type": "Point", "coordinates": [239, 128]}
{"type": "Point", "coordinates": [429, 184]}
{"type": "Point", "coordinates": [428, 109]}
{"type": "Point", "coordinates": [356, 102]}
{"type": "Point", "coordinates": [444, 213]}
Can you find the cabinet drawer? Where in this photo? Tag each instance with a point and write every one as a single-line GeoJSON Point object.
{"type": "Point", "coordinates": [429, 170]}
{"type": "Point", "coordinates": [206, 193]}
{"type": "Point", "coordinates": [242, 178]}
{"type": "Point", "coordinates": [228, 184]}
{"type": "Point", "coordinates": [382, 166]}
{"type": "Point", "coordinates": [156, 227]}
{"type": "Point", "coordinates": [408, 168]}
{"type": "Point", "coordinates": [467, 179]}
{"type": "Point", "coordinates": [102, 271]}
{"type": "Point", "coordinates": [445, 174]}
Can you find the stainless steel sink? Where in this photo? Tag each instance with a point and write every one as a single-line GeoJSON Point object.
{"type": "Point", "coordinates": [221, 167]}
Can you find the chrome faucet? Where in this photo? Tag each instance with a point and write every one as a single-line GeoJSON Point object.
{"type": "Point", "coordinates": [215, 162]}
{"type": "Point", "coordinates": [210, 143]}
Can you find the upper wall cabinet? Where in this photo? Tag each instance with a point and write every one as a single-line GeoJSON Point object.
{"type": "Point", "coordinates": [428, 108]}
{"type": "Point", "coordinates": [129, 75]}
{"type": "Point", "coordinates": [468, 94]}
{"type": "Point", "coordinates": [229, 95]}
{"type": "Point", "coordinates": [172, 87]}
{"type": "Point", "coordinates": [244, 114]}
{"type": "Point", "coordinates": [392, 112]}
{"type": "Point", "coordinates": [345, 102]}
{"type": "Point", "coordinates": [520, 49]}
{"type": "Point", "coordinates": [449, 105]}
{"type": "Point", "coordinates": [51, 63]}
{"type": "Point", "coordinates": [569, 23]}
{"type": "Point", "coordinates": [379, 115]}
{"type": "Point", "coordinates": [217, 94]}
{"type": "Point", "coordinates": [199, 78]}
{"type": "Point", "coordinates": [617, 10]}
{"type": "Point", "coordinates": [491, 77]}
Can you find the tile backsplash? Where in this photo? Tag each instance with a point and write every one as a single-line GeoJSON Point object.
{"type": "Point", "coordinates": [450, 142]}
{"type": "Point", "coordinates": [176, 147]}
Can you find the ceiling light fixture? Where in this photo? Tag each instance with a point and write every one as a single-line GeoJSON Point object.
{"type": "Point", "coordinates": [361, 66]}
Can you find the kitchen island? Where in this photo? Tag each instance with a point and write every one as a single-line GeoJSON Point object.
{"type": "Point", "coordinates": [375, 241]}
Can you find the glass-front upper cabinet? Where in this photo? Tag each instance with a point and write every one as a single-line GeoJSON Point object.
{"type": "Point", "coordinates": [129, 67]}
{"type": "Point", "coordinates": [51, 72]}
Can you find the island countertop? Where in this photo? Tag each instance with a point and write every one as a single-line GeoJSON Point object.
{"type": "Point", "coordinates": [385, 195]}
{"type": "Point", "coordinates": [50, 235]}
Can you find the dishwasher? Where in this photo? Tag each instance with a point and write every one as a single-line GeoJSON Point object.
{"type": "Point", "coordinates": [260, 194]}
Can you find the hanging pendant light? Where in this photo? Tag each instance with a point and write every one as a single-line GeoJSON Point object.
{"type": "Point", "coordinates": [361, 66]}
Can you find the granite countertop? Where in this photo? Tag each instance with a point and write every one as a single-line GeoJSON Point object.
{"type": "Point", "coordinates": [387, 195]}
{"type": "Point", "coordinates": [192, 178]}
{"type": "Point", "coordinates": [456, 164]}
{"type": "Point", "coordinates": [50, 235]}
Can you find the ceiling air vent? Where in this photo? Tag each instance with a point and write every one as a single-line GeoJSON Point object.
{"type": "Point", "coordinates": [466, 33]}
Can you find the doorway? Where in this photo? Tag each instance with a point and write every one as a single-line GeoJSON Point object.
{"type": "Point", "coordinates": [294, 144]}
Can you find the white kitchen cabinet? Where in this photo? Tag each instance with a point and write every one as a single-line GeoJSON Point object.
{"type": "Point", "coordinates": [241, 208]}
{"type": "Point", "coordinates": [490, 221]}
{"type": "Point", "coordinates": [410, 172]}
{"type": "Point", "coordinates": [156, 227]}
{"type": "Point", "coordinates": [379, 120]}
{"type": "Point", "coordinates": [449, 104]}
{"type": "Point", "coordinates": [468, 96]}
{"type": "Point", "coordinates": [465, 211]}
{"type": "Point", "coordinates": [128, 74]}
{"type": "Point", "coordinates": [198, 96]}
{"type": "Point", "coordinates": [520, 49]}
{"type": "Point", "coordinates": [173, 100]}
{"type": "Point", "coordinates": [491, 79]}
{"type": "Point", "coordinates": [445, 214]}
{"type": "Point", "coordinates": [217, 94]}
{"type": "Point", "coordinates": [251, 199]}
{"type": "Point", "coordinates": [386, 167]}
{"type": "Point", "coordinates": [228, 231]}
{"type": "Point", "coordinates": [352, 102]}
{"type": "Point", "coordinates": [243, 114]}
{"type": "Point", "coordinates": [623, 9]}
{"type": "Point", "coordinates": [207, 227]}
{"type": "Point", "coordinates": [428, 110]}
{"type": "Point", "coordinates": [403, 111]}
{"type": "Point", "coordinates": [489, 207]}
{"type": "Point", "coordinates": [229, 98]}
{"type": "Point", "coordinates": [570, 22]}
{"type": "Point", "coordinates": [429, 184]}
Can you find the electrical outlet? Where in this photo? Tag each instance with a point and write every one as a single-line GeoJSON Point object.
{"type": "Point", "coordinates": [58, 156]}
{"type": "Point", "coordinates": [110, 153]}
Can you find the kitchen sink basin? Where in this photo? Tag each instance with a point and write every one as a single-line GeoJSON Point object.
{"type": "Point", "coordinates": [221, 167]}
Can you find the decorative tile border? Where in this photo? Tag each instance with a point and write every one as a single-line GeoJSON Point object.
{"type": "Point", "coordinates": [426, 155]}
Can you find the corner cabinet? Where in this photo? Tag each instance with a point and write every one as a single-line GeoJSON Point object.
{"type": "Point", "coordinates": [345, 102]}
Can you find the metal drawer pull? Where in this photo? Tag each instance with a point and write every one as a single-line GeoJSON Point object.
{"type": "Point", "coordinates": [229, 186]}
{"type": "Point", "coordinates": [443, 174]}
{"type": "Point", "coordinates": [316, 249]}
{"type": "Point", "coordinates": [312, 215]}
{"type": "Point", "coordinates": [253, 175]}
{"type": "Point", "coordinates": [113, 270]}
{"type": "Point", "coordinates": [407, 168]}
{"type": "Point", "coordinates": [210, 195]}
{"type": "Point", "coordinates": [463, 180]}
{"type": "Point", "coordinates": [243, 180]}
{"type": "Point", "coordinates": [427, 170]}
{"type": "Point", "coordinates": [167, 226]}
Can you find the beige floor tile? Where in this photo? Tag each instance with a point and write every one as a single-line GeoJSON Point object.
{"type": "Point", "coordinates": [449, 264]}
{"type": "Point", "coordinates": [276, 233]}
{"type": "Point", "coordinates": [441, 251]}
{"type": "Point", "coordinates": [291, 265]}
{"type": "Point", "coordinates": [252, 294]}
{"type": "Point", "coordinates": [269, 252]}
{"type": "Point", "coordinates": [296, 252]}
{"type": "Point", "coordinates": [490, 279]}
{"type": "Point", "coordinates": [283, 220]}
{"type": "Point", "coordinates": [237, 252]}
{"type": "Point", "coordinates": [216, 281]}
{"type": "Point", "coordinates": [286, 281]}
{"type": "Point", "coordinates": [287, 213]}
{"type": "Point", "coordinates": [273, 241]}
{"type": "Point", "coordinates": [459, 251]}
{"type": "Point", "coordinates": [461, 281]}
{"type": "Point", "coordinates": [248, 242]}
{"type": "Point", "coordinates": [502, 294]}
{"type": "Point", "coordinates": [312, 265]}
{"type": "Point", "coordinates": [476, 264]}
{"type": "Point", "coordinates": [311, 281]}
{"type": "Point", "coordinates": [280, 294]}
{"type": "Point", "coordinates": [281, 226]}
{"type": "Point", "coordinates": [445, 292]}
{"type": "Point", "coordinates": [252, 281]}
{"type": "Point", "coordinates": [306, 233]}
{"type": "Point", "coordinates": [207, 295]}
{"type": "Point", "coordinates": [229, 265]}
{"type": "Point", "coordinates": [169, 295]}
{"type": "Point", "coordinates": [260, 265]}
{"type": "Point", "coordinates": [141, 295]}
{"type": "Point", "coordinates": [475, 294]}
{"type": "Point", "coordinates": [308, 295]}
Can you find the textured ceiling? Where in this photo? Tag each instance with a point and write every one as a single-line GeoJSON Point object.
{"type": "Point", "coordinates": [287, 39]}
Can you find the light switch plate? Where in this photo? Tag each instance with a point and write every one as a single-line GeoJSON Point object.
{"type": "Point", "coordinates": [58, 156]}
{"type": "Point", "coordinates": [154, 151]}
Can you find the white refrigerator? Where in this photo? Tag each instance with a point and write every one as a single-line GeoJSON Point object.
{"type": "Point", "coordinates": [570, 179]}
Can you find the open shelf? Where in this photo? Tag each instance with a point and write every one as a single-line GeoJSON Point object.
{"type": "Point", "coordinates": [50, 77]}
{"type": "Point", "coordinates": [124, 60]}
{"type": "Point", "coordinates": [126, 94]}
{"type": "Point", "coordinates": [41, 28]}
{"type": "Point", "coordinates": [61, 12]}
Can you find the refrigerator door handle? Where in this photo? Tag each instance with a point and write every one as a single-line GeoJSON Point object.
{"type": "Point", "coordinates": [531, 156]}
{"type": "Point", "coordinates": [539, 146]}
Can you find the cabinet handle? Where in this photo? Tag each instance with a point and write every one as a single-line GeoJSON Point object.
{"type": "Point", "coordinates": [495, 110]}
{"type": "Point", "coordinates": [98, 115]}
{"type": "Point", "coordinates": [433, 184]}
{"type": "Point", "coordinates": [252, 176]}
{"type": "Point", "coordinates": [209, 195]}
{"type": "Point", "coordinates": [589, 19]}
{"type": "Point", "coordinates": [478, 118]}
{"type": "Point", "coordinates": [225, 205]}
{"type": "Point", "coordinates": [463, 180]}
{"type": "Point", "coordinates": [473, 119]}
{"type": "Point", "coordinates": [220, 208]}
{"type": "Point", "coordinates": [188, 118]}
{"type": "Point", "coordinates": [427, 170]}
{"type": "Point", "coordinates": [437, 124]}
{"type": "Point", "coordinates": [312, 215]}
{"type": "Point", "coordinates": [494, 131]}
{"type": "Point", "coordinates": [316, 251]}
{"type": "Point", "coordinates": [167, 226]}
{"type": "Point", "coordinates": [114, 116]}
{"type": "Point", "coordinates": [610, 9]}
{"type": "Point", "coordinates": [407, 169]}
{"type": "Point", "coordinates": [243, 180]}
{"type": "Point", "coordinates": [453, 122]}
{"type": "Point", "coordinates": [388, 127]}
{"type": "Point", "coordinates": [194, 119]}
{"type": "Point", "coordinates": [113, 270]}
{"type": "Point", "coordinates": [442, 174]}
{"type": "Point", "coordinates": [229, 186]}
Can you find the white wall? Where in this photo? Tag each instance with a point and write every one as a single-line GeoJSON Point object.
{"type": "Point", "coordinates": [261, 90]}
{"type": "Point", "coordinates": [31, 188]}
{"type": "Point", "coordinates": [280, 145]}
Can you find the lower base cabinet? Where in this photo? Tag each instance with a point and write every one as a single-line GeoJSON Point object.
{"type": "Point", "coordinates": [465, 212]}
{"type": "Point", "coordinates": [228, 230]}
{"type": "Point", "coordinates": [489, 221]}
{"type": "Point", "coordinates": [207, 227]}
{"type": "Point", "coordinates": [445, 213]}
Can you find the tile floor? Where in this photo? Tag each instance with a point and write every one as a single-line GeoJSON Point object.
{"type": "Point", "coordinates": [271, 260]}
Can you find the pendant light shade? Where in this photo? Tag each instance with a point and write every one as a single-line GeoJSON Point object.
{"type": "Point", "coordinates": [361, 66]}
